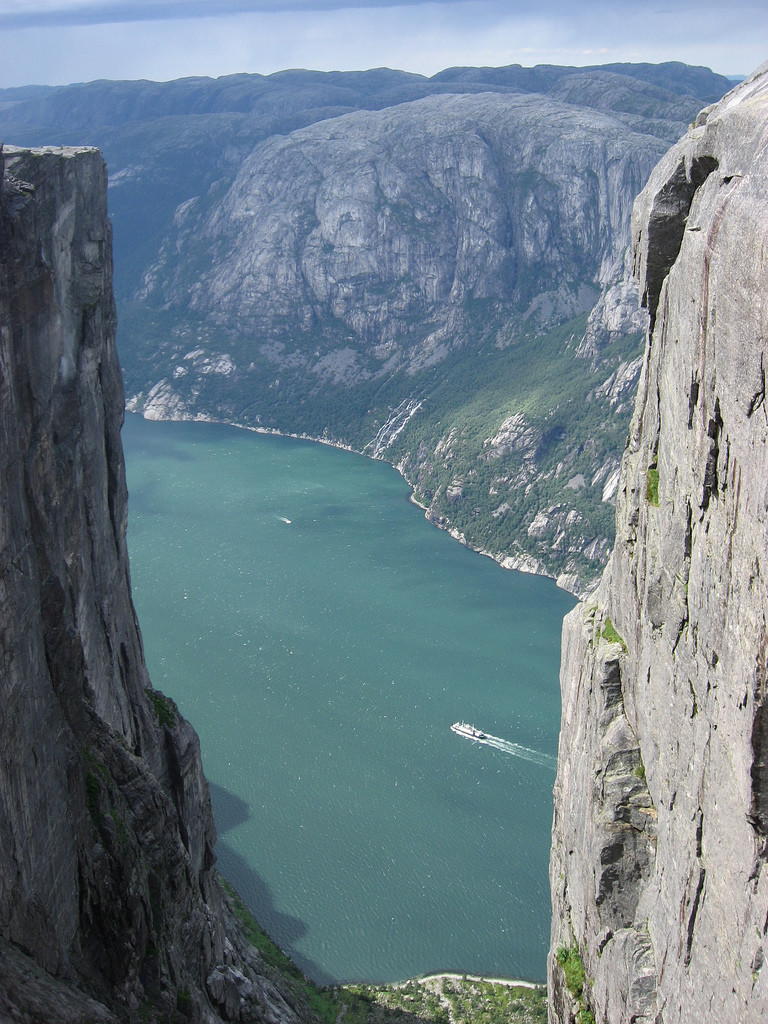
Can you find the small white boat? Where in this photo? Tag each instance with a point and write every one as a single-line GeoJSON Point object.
{"type": "Point", "coordinates": [462, 729]}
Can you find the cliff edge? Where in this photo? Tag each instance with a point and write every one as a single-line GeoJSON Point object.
{"type": "Point", "coordinates": [658, 869]}
{"type": "Point", "coordinates": [109, 905]}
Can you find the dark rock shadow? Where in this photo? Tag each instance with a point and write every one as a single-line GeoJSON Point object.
{"type": "Point", "coordinates": [229, 811]}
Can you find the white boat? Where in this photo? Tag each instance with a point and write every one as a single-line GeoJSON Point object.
{"type": "Point", "coordinates": [462, 729]}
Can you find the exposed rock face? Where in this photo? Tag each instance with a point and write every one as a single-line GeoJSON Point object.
{"type": "Point", "coordinates": [108, 900]}
{"type": "Point", "coordinates": [396, 264]}
{"type": "Point", "coordinates": [351, 260]}
{"type": "Point", "coordinates": [371, 232]}
{"type": "Point", "coordinates": [658, 869]}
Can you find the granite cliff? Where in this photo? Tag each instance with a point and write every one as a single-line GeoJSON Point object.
{"type": "Point", "coordinates": [658, 871]}
{"type": "Point", "coordinates": [110, 908]}
{"type": "Point", "coordinates": [430, 270]}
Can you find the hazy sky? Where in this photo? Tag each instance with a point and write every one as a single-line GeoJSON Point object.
{"type": "Point", "coordinates": [60, 41]}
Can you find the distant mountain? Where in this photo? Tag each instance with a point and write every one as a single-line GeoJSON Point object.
{"type": "Point", "coordinates": [430, 270]}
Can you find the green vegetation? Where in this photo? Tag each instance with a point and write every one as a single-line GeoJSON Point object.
{"type": "Point", "coordinates": [439, 1000]}
{"type": "Point", "coordinates": [96, 776]}
{"type": "Point", "coordinates": [566, 434]}
{"type": "Point", "coordinates": [165, 709]}
{"type": "Point", "coordinates": [98, 779]}
{"type": "Point", "coordinates": [92, 790]}
{"type": "Point", "coordinates": [573, 968]}
{"type": "Point", "coordinates": [444, 1000]}
{"type": "Point", "coordinates": [184, 1002]}
{"type": "Point", "coordinates": [652, 486]}
{"type": "Point", "coordinates": [611, 634]}
{"type": "Point", "coordinates": [575, 980]}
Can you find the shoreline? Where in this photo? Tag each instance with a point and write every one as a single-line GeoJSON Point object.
{"type": "Point", "coordinates": [504, 561]}
{"type": "Point", "coordinates": [454, 976]}
{"type": "Point", "coordinates": [439, 976]}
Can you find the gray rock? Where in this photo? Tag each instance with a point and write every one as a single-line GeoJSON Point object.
{"type": "Point", "coordinates": [658, 868]}
{"type": "Point", "coordinates": [108, 898]}
{"type": "Point", "coordinates": [315, 253]}
{"type": "Point", "coordinates": [376, 228]}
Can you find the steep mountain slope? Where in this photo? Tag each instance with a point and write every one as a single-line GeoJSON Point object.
{"type": "Point", "coordinates": [658, 870]}
{"type": "Point", "coordinates": [109, 905]}
{"type": "Point", "coordinates": [356, 266]}
{"type": "Point", "coordinates": [430, 270]}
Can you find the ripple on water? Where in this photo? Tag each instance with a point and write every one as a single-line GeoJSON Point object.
{"type": "Point", "coordinates": [322, 666]}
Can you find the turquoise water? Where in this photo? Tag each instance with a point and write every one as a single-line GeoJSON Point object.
{"type": "Point", "coordinates": [322, 637]}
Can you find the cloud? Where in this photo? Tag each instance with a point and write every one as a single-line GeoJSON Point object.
{"type": "Point", "coordinates": [28, 13]}
{"type": "Point", "coordinates": [21, 14]}
{"type": "Point", "coordinates": [166, 39]}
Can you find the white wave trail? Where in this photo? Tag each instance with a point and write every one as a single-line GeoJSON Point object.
{"type": "Point", "coordinates": [534, 756]}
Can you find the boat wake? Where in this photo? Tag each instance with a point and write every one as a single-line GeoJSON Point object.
{"type": "Point", "coordinates": [526, 753]}
{"type": "Point", "coordinates": [506, 746]}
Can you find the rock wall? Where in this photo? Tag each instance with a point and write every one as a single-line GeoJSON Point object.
{"type": "Point", "coordinates": [371, 232]}
{"type": "Point", "coordinates": [658, 869]}
{"type": "Point", "coordinates": [109, 905]}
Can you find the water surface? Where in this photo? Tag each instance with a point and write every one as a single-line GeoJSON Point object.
{"type": "Point", "coordinates": [322, 637]}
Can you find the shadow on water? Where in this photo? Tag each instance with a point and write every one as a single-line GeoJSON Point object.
{"type": "Point", "coordinates": [139, 439]}
{"type": "Point", "coordinates": [229, 811]}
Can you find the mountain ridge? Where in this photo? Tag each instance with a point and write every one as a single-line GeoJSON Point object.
{"type": "Point", "coordinates": [453, 234]}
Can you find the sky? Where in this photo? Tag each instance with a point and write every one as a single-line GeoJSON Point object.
{"type": "Point", "coordinates": [56, 42]}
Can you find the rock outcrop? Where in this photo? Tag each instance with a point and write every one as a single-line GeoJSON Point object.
{"type": "Point", "coordinates": [363, 244]}
{"type": "Point", "coordinates": [109, 904]}
{"type": "Point", "coordinates": [658, 871]}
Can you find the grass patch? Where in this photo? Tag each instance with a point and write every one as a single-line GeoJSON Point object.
{"type": "Point", "coordinates": [96, 776]}
{"type": "Point", "coordinates": [165, 709]}
{"type": "Point", "coordinates": [573, 968]}
{"type": "Point", "coordinates": [575, 980]}
{"type": "Point", "coordinates": [652, 486]}
{"type": "Point", "coordinates": [611, 634]}
{"type": "Point", "coordinates": [92, 791]}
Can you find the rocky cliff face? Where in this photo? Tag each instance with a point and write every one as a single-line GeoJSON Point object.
{"type": "Point", "coordinates": [428, 270]}
{"type": "Point", "coordinates": [658, 871]}
{"type": "Point", "coordinates": [372, 232]}
{"type": "Point", "coordinates": [109, 905]}
{"type": "Point", "coordinates": [367, 278]}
